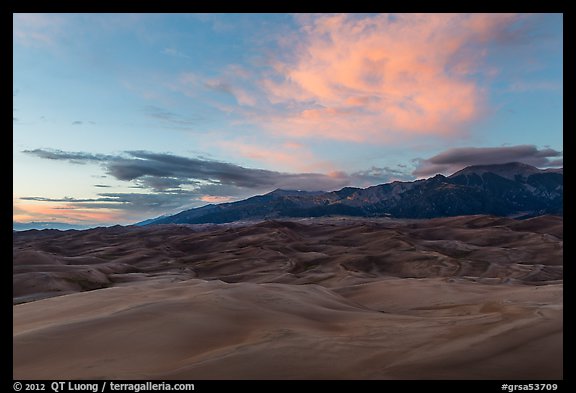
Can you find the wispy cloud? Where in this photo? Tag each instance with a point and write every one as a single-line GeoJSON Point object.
{"type": "Point", "coordinates": [150, 203]}
{"type": "Point", "coordinates": [242, 95]}
{"type": "Point", "coordinates": [287, 154]}
{"type": "Point", "coordinates": [82, 122]}
{"type": "Point", "coordinates": [175, 53]}
{"type": "Point", "coordinates": [171, 119]}
{"type": "Point", "coordinates": [452, 160]}
{"type": "Point", "coordinates": [73, 157]}
{"type": "Point", "coordinates": [524, 86]}
{"type": "Point", "coordinates": [66, 199]}
{"type": "Point", "coordinates": [37, 29]}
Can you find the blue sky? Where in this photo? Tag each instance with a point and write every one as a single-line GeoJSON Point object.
{"type": "Point", "coordinates": [123, 117]}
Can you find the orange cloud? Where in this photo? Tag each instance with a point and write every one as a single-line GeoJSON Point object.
{"type": "Point", "coordinates": [24, 212]}
{"type": "Point", "coordinates": [382, 77]}
{"type": "Point", "coordinates": [216, 199]}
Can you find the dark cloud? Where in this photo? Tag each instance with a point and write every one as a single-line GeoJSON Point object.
{"type": "Point", "coordinates": [376, 175]}
{"type": "Point", "coordinates": [161, 171]}
{"type": "Point", "coordinates": [67, 199]}
{"type": "Point", "coordinates": [161, 184]}
{"type": "Point", "coordinates": [452, 160]}
{"type": "Point", "coordinates": [102, 186]}
{"type": "Point", "coordinates": [74, 157]}
{"type": "Point", "coordinates": [77, 123]}
{"type": "Point", "coordinates": [157, 203]}
{"type": "Point", "coordinates": [141, 202]}
{"type": "Point", "coordinates": [173, 169]}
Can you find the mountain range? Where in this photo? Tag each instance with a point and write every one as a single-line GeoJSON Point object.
{"type": "Point", "coordinates": [512, 189]}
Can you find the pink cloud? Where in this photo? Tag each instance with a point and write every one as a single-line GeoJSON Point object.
{"type": "Point", "coordinates": [379, 78]}
{"type": "Point", "coordinates": [287, 155]}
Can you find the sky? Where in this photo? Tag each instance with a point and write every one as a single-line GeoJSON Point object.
{"type": "Point", "coordinates": [119, 118]}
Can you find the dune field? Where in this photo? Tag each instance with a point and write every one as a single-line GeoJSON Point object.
{"type": "Point", "coordinates": [471, 297]}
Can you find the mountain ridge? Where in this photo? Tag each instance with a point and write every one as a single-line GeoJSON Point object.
{"type": "Point", "coordinates": [511, 189]}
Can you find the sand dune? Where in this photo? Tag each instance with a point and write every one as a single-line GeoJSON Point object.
{"type": "Point", "coordinates": [312, 299]}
